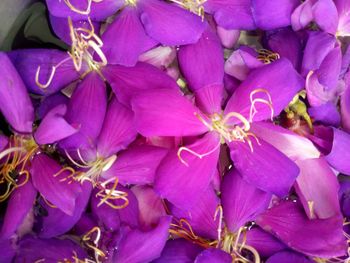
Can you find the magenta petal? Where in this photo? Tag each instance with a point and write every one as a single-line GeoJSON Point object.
{"type": "Point", "coordinates": [279, 79]}
{"type": "Point", "coordinates": [319, 237]}
{"type": "Point", "coordinates": [138, 246]}
{"type": "Point", "coordinates": [317, 187]}
{"type": "Point", "coordinates": [201, 216]}
{"type": "Point", "coordinates": [51, 187]}
{"type": "Point", "coordinates": [125, 39]}
{"type": "Point", "coordinates": [209, 98]}
{"type": "Point", "coordinates": [128, 81]}
{"type": "Point", "coordinates": [228, 37]}
{"type": "Point", "coordinates": [50, 102]}
{"type": "Point", "coordinates": [213, 255]}
{"type": "Point", "coordinates": [54, 127]}
{"type": "Point", "coordinates": [7, 250]}
{"type": "Point", "coordinates": [27, 62]}
{"type": "Point", "coordinates": [326, 8]}
{"type": "Point", "coordinates": [289, 257]}
{"type": "Point", "coordinates": [204, 58]}
{"type": "Point", "coordinates": [263, 242]}
{"type": "Point", "coordinates": [15, 102]}
{"type": "Point", "coordinates": [86, 111]}
{"type": "Point", "coordinates": [241, 201]}
{"type": "Point", "coordinates": [57, 222]}
{"type": "Point", "coordinates": [345, 109]}
{"type": "Point", "coordinates": [265, 167]}
{"type": "Point", "coordinates": [148, 201]}
{"type": "Point", "coordinates": [339, 156]}
{"type": "Point", "coordinates": [166, 112]}
{"type": "Point", "coordinates": [136, 165]}
{"type": "Point", "coordinates": [192, 176]}
{"type": "Point", "coordinates": [19, 205]}
{"type": "Point", "coordinates": [99, 10]}
{"type": "Point", "coordinates": [179, 251]}
{"type": "Point", "coordinates": [183, 28]}
{"type": "Point", "coordinates": [117, 131]}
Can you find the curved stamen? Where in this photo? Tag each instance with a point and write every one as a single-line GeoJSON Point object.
{"type": "Point", "coordinates": [219, 211]}
{"type": "Point", "coordinates": [79, 11]}
{"type": "Point", "coordinates": [253, 101]}
{"type": "Point", "coordinates": [112, 194]}
{"type": "Point", "coordinates": [87, 240]}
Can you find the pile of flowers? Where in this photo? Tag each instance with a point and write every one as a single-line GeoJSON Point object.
{"type": "Point", "coordinates": [179, 131]}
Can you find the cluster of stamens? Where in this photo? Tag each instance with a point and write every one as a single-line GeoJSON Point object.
{"type": "Point", "coordinates": [21, 149]}
{"type": "Point", "coordinates": [85, 45]}
{"type": "Point", "coordinates": [267, 56]}
{"type": "Point", "coordinates": [228, 129]}
{"type": "Point", "coordinates": [194, 6]}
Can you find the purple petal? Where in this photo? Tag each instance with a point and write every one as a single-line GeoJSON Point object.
{"type": "Point", "coordinates": [345, 109]}
{"type": "Point", "coordinates": [7, 251]}
{"type": "Point", "coordinates": [204, 58]}
{"type": "Point", "coordinates": [125, 39]}
{"type": "Point", "coordinates": [344, 17]}
{"type": "Point", "coordinates": [183, 28]}
{"type": "Point", "coordinates": [54, 127]}
{"type": "Point", "coordinates": [19, 205]}
{"type": "Point", "coordinates": [165, 112]}
{"type": "Point", "coordinates": [148, 201]}
{"type": "Point", "coordinates": [117, 131]}
{"type": "Point", "coordinates": [317, 187]}
{"type": "Point", "coordinates": [99, 10]}
{"type": "Point", "coordinates": [213, 255]}
{"type": "Point", "coordinates": [137, 165]}
{"type": "Point", "coordinates": [201, 216]}
{"type": "Point", "coordinates": [86, 111]}
{"type": "Point", "coordinates": [15, 102]}
{"type": "Point", "coordinates": [319, 237]}
{"type": "Point", "coordinates": [241, 201]}
{"type": "Point", "coordinates": [302, 15]}
{"type": "Point", "coordinates": [232, 14]}
{"type": "Point", "coordinates": [192, 175]}
{"type": "Point", "coordinates": [179, 251]}
{"type": "Point", "coordinates": [126, 81]}
{"type": "Point", "coordinates": [326, 114]}
{"type": "Point", "coordinates": [160, 57]}
{"type": "Point", "coordinates": [279, 80]}
{"type": "Point", "coordinates": [227, 37]}
{"type": "Point", "coordinates": [3, 142]}
{"type": "Point", "coordinates": [50, 102]}
{"type": "Point", "coordinates": [264, 166]}
{"type": "Point", "coordinates": [279, 13]}
{"type": "Point", "coordinates": [27, 62]}
{"type": "Point", "coordinates": [138, 246]}
{"type": "Point", "coordinates": [339, 154]}
{"type": "Point", "coordinates": [57, 222]}
{"type": "Point", "coordinates": [322, 9]}
{"type": "Point", "coordinates": [46, 180]}
{"type": "Point", "coordinates": [263, 242]}
{"type": "Point", "coordinates": [288, 257]}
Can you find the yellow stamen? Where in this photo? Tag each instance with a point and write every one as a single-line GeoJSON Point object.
{"type": "Point", "coordinates": [194, 6]}
{"type": "Point", "coordinates": [267, 56]}
{"type": "Point", "coordinates": [108, 196]}
{"type": "Point", "coordinates": [79, 11]}
{"type": "Point", "coordinates": [92, 243]}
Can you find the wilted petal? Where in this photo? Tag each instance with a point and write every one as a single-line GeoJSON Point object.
{"type": "Point", "coordinates": [288, 257]}
{"type": "Point", "coordinates": [241, 201]}
{"type": "Point", "coordinates": [183, 28]}
{"type": "Point", "coordinates": [136, 165]}
{"type": "Point", "coordinates": [57, 222]}
{"type": "Point", "coordinates": [265, 167]}
{"type": "Point", "coordinates": [317, 187]}
{"type": "Point", "coordinates": [99, 9]}
{"type": "Point", "coordinates": [86, 112]}
{"type": "Point", "coordinates": [54, 127]}
{"type": "Point", "coordinates": [125, 39]}
{"type": "Point", "coordinates": [213, 255]}
{"type": "Point", "coordinates": [179, 251]}
{"type": "Point", "coordinates": [201, 217]}
{"type": "Point", "coordinates": [263, 242]}
{"type": "Point", "coordinates": [202, 63]}
{"type": "Point", "coordinates": [279, 80]}
{"type": "Point", "coordinates": [117, 131]}
{"type": "Point", "coordinates": [27, 62]}
{"type": "Point", "coordinates": [318, 237]}
{"type": "Point", "coordinates": [48, 182]}
{"type": "Point", "coordinates": [137, 246]}
{"type": "Point", "coordinates": [19, 205]}
{"type": "Point", "coordinates": [128, 81]}
{"type": "Point", "coordinates": [164, 112]}
{"type": "Point", "coordinates": [192, 175]}
{"type": "Point", "coordinates": [15, 102]}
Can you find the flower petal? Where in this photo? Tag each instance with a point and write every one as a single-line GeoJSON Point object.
{"type": "Point", "coordinates": [322, 9]}
{"type": "Point", "coordinates": [288, 257]}
{"type": "Point", "coordinates": [164, 112]}
{"type": "Point", "coordinates": [15, 102]}
{"type": "Point", "coordinates": [318, 237]}
{"type": "Point", "coordinates": [125, 39]}
{"type": "Point", "coordinates": [183, 28]}
{"type": "Point", "coordinates": [265, 167]}
{"type": "Point", "coordinates": [345, 109]}
{"type": "Point", "coordinates": [326, 114]}
{"type": "Point", "coordinates": [191, 176]}
{"type": "Point", "coordinates": [339, 153]}
{"type": "Point", "coordinates": [241, 201]}
{"type": "Point", "coordinates": [213, 255]}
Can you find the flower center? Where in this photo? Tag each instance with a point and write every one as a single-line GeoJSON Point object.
{"type": "Point", "coordinates": [131, 2]}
